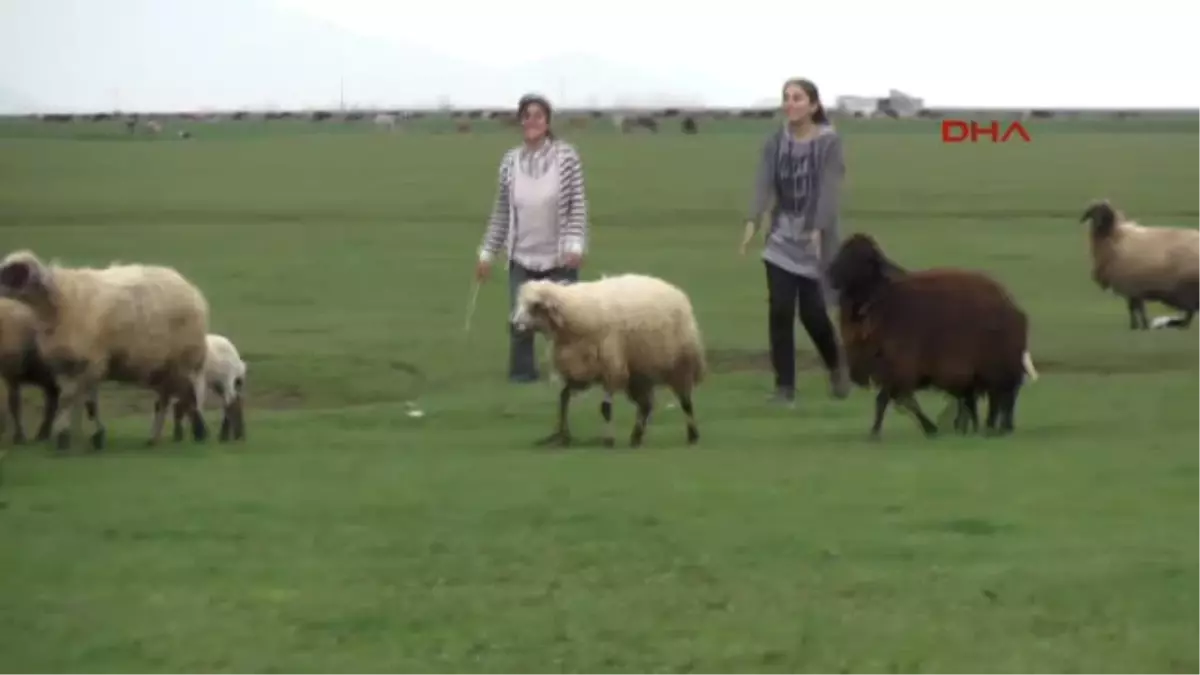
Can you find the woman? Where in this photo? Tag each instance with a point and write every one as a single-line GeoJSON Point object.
{"type": "Point", "coordinates": [539, 217]}
{"type": "Point", "coordinates": [802, 169]}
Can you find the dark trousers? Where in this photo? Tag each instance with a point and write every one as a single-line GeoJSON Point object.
{"type": "Point", "coordinates": [522, 362]}
{"type": "Point", "coordinates": [787, 293]}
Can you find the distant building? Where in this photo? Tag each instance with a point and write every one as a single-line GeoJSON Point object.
{"type": "Point", "coordinates": [857, 106]}
{"type": "Point", "coordinates": [895, 104]}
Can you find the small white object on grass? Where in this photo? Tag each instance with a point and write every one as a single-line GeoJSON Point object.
{"type": "Point", "coordinates": [1161, 321]}
{"type": "Point", "coordinates": [413, 410]}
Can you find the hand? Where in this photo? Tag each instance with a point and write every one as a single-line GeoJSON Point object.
{"type": "Point", "coordinates": [747, 236]}
{"type": "Point", "coordinates": [572, 260]}
{"type": "Point", "coordinates": [483, 269]}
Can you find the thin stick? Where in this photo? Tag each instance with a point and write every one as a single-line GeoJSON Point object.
{"type": "Point", "coordinates": [471, 305]}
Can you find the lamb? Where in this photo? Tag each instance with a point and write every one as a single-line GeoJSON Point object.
{"type": "Point", "coordinates": [137, 324]}
{"type": "Point", "coordinates": [224, 373]}
{"type": "Point", "coordinates": [21, 363]}
{"type": "Point", "coordinates": [628, 333]}
{"type": "Point", "coordinates": [1141, 263]}
{"type": "Point", "coordinates": [954, 330]}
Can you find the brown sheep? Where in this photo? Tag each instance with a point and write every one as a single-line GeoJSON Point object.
{"type": "Point", "coordinates": [21, 363]}
{"type": "Point", "coordinates": [857, 352]}
{"type": "Point", "coordinates": [957, 331]}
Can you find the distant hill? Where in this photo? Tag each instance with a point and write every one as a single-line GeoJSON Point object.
{"type": "Point", "coordinates": [156, 55]}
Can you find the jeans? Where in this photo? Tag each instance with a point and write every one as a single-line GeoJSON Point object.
{"type": "Point", "coordinates": [522, 362]}
{"type": "Point", "coordinates": [787, 292]}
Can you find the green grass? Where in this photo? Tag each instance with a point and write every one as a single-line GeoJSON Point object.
{"type": "Point", "coordinates": [345, 536]}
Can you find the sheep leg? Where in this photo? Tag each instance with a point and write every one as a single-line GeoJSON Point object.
{"type": "Point", "coordinates": [14, 411]}
{"type": "Point", "coordinates": [50, 394]}
{"type": "Point", "coordinates": [195, 406]}
{"type": "Point", "coordinates": [92, 405]}
{"type": "Point", "coordinates": [177, 422]}
{"type": "Point", "coordinates": [1137, 314]}
{"type": "Point", "coordinates": [642, 394]}
{"type": "Point", "coordinates": [910, 404]}
{"type": "Point", "coordinates": [685, 402]}
{"type": "Point", "coordinates": [562, 435]}
{"type": "Point", "coordinates": [882, 399]}
{"type": "Point", "coordinates": [69, 416]}
{"type": "Point", "coordinates": [237, 413]}
{"type": "Point", "coordinates": [606, 412]}
{"type": "Point", "coordinates": [160, 417]}
{"type": "Point", "coordinates": [1182, 321]}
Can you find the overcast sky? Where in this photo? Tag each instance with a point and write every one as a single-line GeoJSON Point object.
{"type": "Point", "coordinates": [197, 54]}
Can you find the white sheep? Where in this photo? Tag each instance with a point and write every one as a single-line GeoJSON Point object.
{"type": "Point", "coordinates": [21, 363]}
{"type": "Point", "coordinates": [225, 374]}
{"type": "Point", "coordinates": [138, 324]}
{"type": "Point", "coordinates": [1143, 263]}
{"type": "Point", "coordinates": [627, 333]}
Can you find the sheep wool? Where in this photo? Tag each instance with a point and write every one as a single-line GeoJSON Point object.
{"type": "Point", "coordinates": [132, 323]}
{"type": "Point", "coordinates": [628, 333]}
{"type": "Point", "coordinates": [1141, 263]}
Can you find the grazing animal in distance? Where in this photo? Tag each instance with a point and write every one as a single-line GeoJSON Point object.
{"type": "Point", "coordinates": [954, 330]}
{"type": "Point", "coordinates": [629, 332]}
{"type": "Point", "coordinates": [1141, 262]}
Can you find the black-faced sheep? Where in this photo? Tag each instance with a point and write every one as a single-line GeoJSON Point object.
{"type": "Point", "coordinates": [225, 374]}
{"type": "Point", "coordinates": [957, 331]}
{"type": "Point", "coordinates": [627, 333]}
{"type": "Point", "coordinates": [21, 363]}
{"type": "Point", "coordinates": [138, 324]}
{"type": "Point", "coordinates": [1141, 263]}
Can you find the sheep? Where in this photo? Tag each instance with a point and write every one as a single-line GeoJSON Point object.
{"type": "Point", "coordinates": [628, 333]}
{"type": "Point", "coordinates": [224, 373]}
{"type": "Point", "coordinates": [137, 324]}
{"type": "Point", "coordinates": [858, 356]}
{"type": "Point", "coordinates": [1143, 263]}
{"type": "Point", "coordinates": [21, 363]}
{"type": "Point", "coordinates": [954, 330]}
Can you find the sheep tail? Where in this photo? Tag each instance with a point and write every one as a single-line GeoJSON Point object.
{"type": "Point", "coordinates": [1027, 364]}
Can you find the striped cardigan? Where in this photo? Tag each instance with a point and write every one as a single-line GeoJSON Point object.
{"type": "Point", "coordinates": [572, 204]}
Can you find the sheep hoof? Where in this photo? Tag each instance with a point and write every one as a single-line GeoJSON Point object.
{"type": "Point", "coordinates": [873, 436]}
{"type": "Point", "coordinates": [693, 435]}
{"type": "Point", "coordinates": [98, 440]}
{"type": "Point", "coordinates": [42, 435]}
{"type": "Point", "coordinates": [63, 440]}
{"type": "Point", "coordinates": [18, 438]}
{"type": "Point", "coordinates": [151, 442]}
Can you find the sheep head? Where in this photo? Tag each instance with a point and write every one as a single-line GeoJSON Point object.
{"type": "Point", "coordinates": [538, 306]}
{"type": "Point", "coordinates": [1103, 218]}
{"type": "Point", "coordinates": [25, 278]}
{"type": "Point", "coordinates": [859, 269]}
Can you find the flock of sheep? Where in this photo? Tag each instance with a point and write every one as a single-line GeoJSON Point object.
{"type": "Point", "coordinates": [952, 330]}
{"type": "Point", "coordinates": [66, 330]}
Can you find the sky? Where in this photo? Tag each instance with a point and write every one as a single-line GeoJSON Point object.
{"type": "Point", "coordinates": [162, 55]}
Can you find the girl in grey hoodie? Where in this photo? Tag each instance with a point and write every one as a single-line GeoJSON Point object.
{"type": "Point", "coordinates": [802, 169]}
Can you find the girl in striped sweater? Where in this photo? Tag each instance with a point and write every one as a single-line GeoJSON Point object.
{"type": "Point", "coordinates": [539, 218]}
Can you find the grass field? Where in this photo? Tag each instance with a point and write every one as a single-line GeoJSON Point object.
{"type": "Point", "coordinates": [346, 536]}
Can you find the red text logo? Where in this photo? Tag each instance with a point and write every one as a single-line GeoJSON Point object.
{"type": "Point", "coordinates": [969, 131]}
